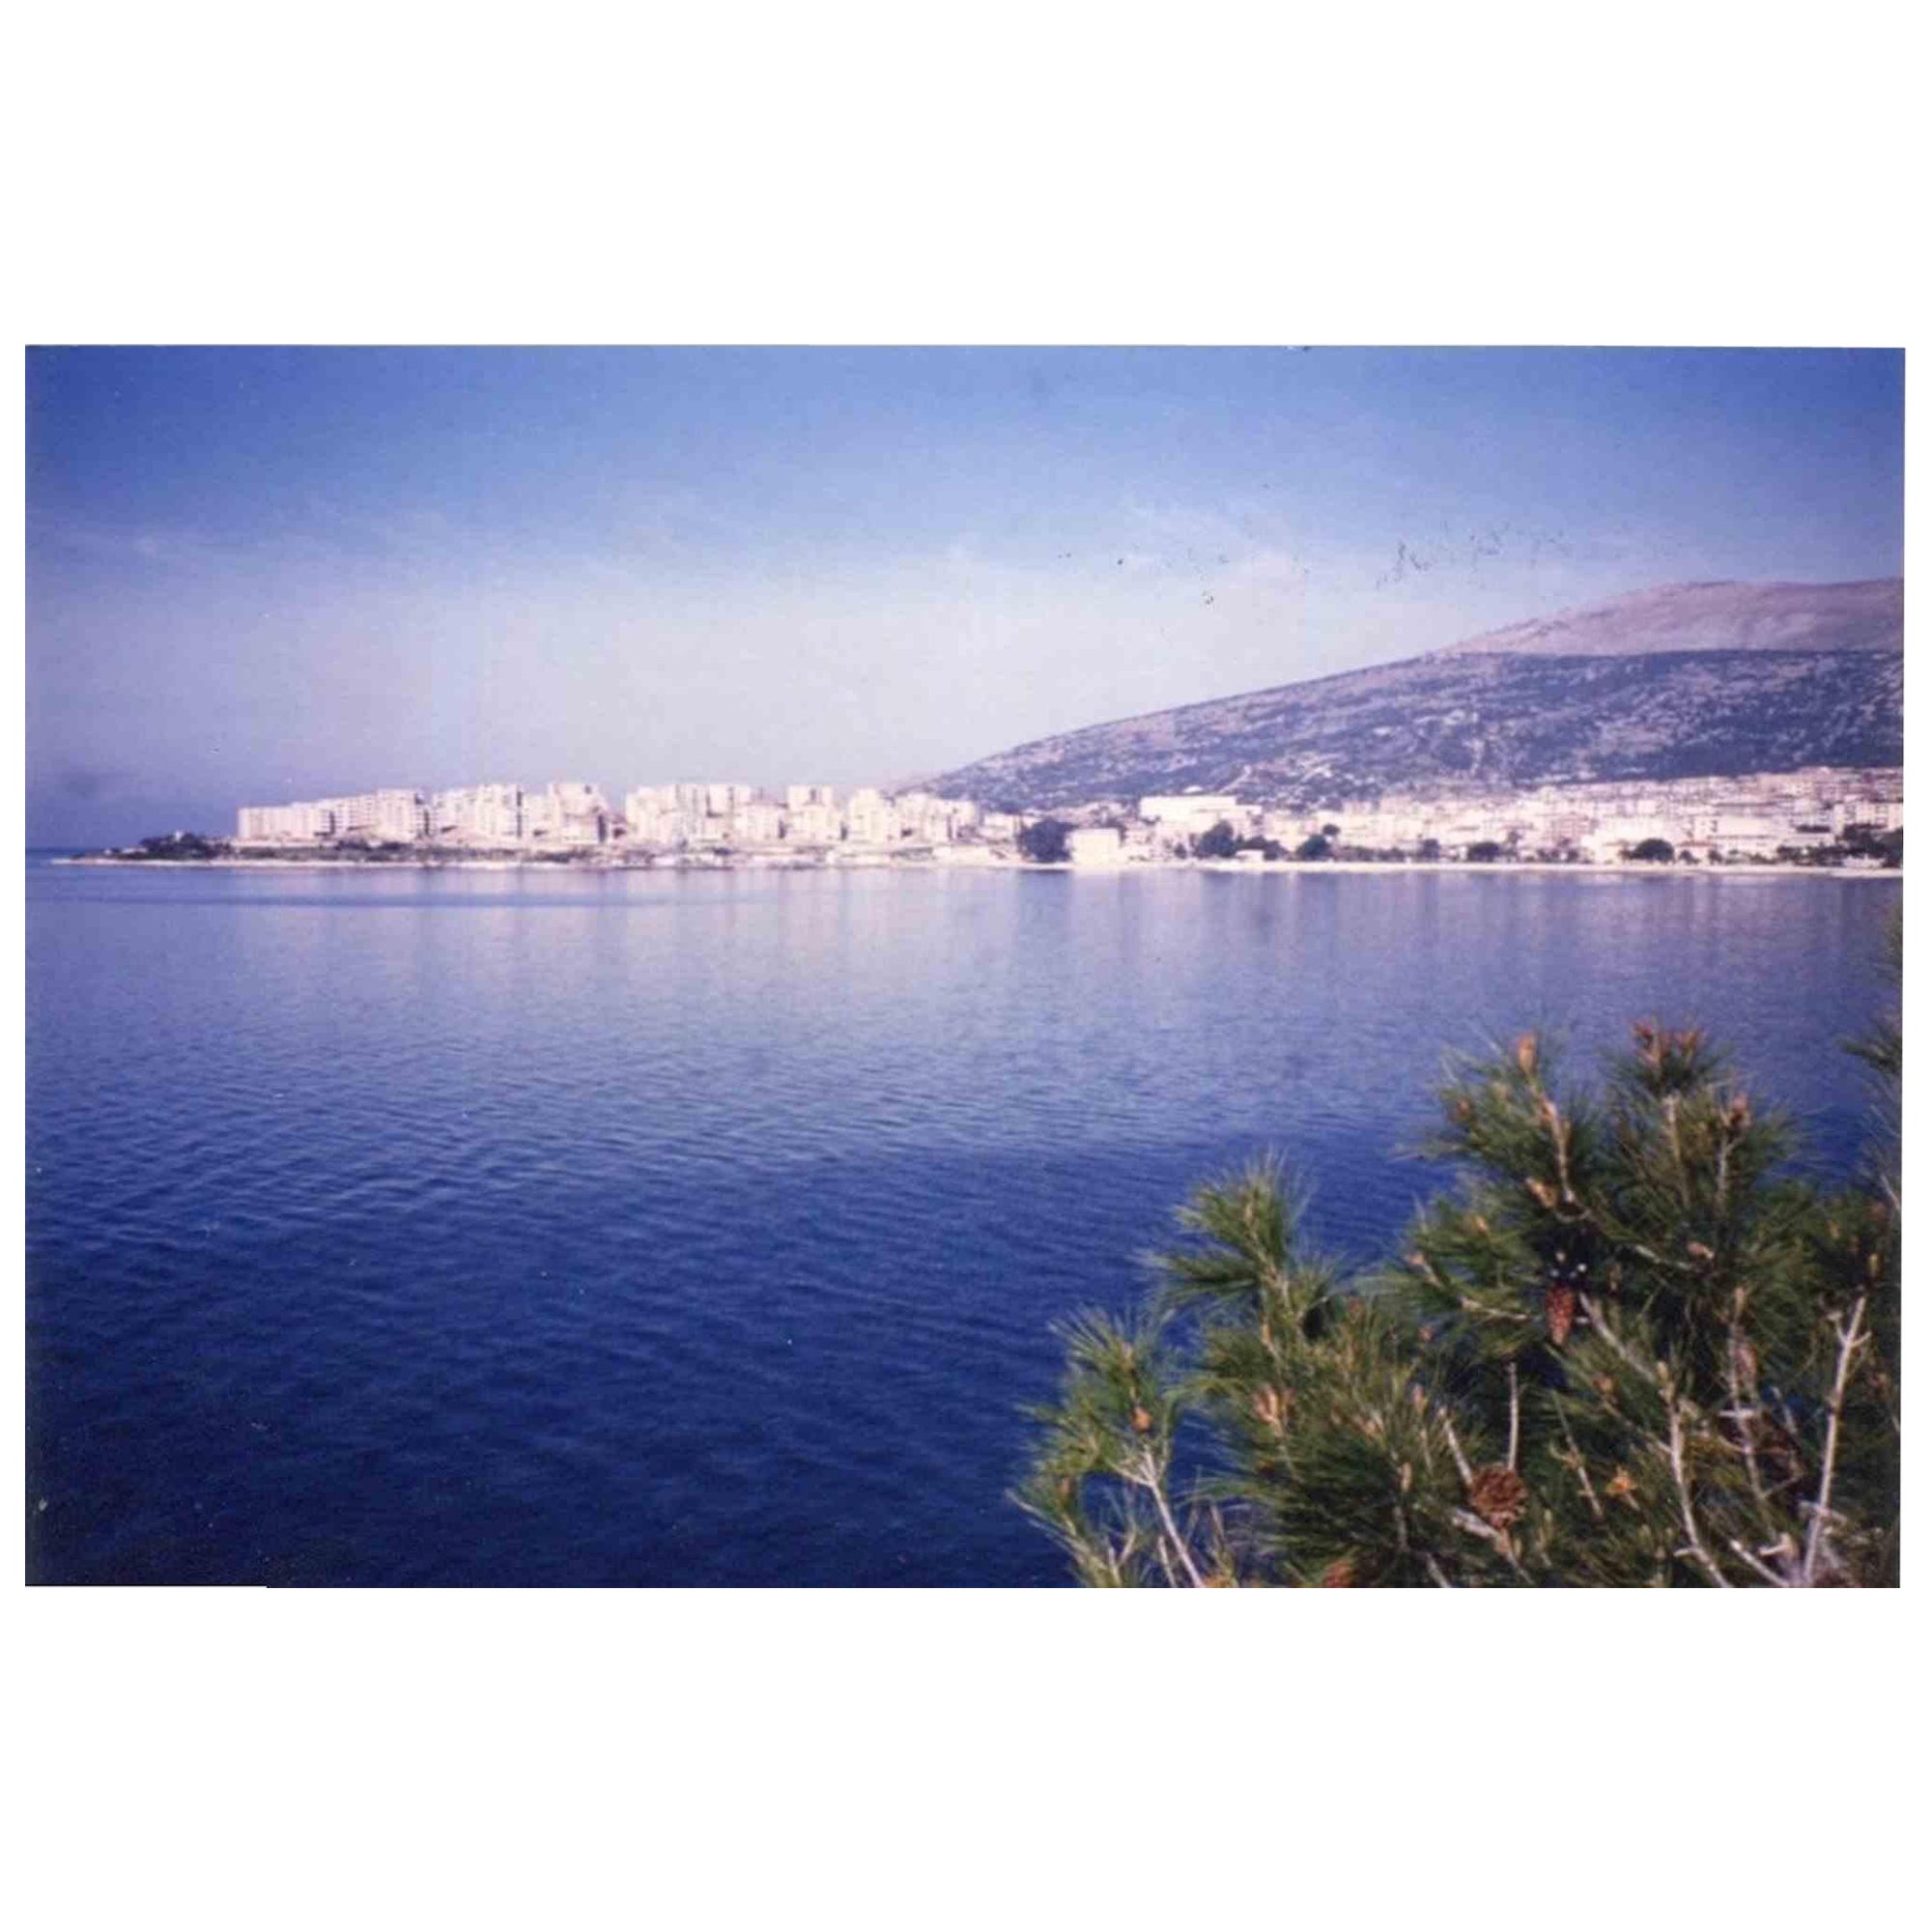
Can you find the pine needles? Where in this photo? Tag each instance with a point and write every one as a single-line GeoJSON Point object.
{"type": "Point", "coordinates": [1628, 1349]}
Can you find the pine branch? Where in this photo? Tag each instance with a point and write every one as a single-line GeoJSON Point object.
{"type": "Point", "coordinates": [1576, 1463]}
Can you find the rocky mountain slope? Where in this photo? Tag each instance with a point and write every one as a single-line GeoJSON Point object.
{"type": "Point", "coordinates": [1680, 681]}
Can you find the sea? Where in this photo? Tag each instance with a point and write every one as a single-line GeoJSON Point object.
{"type": "Point", "coordinates": [396, 1226]}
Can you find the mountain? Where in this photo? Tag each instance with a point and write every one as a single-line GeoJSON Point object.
{"type": "Point", "coordinates": [1680, 681]}
{"type": "Point", "coordinates": [1714, 617]}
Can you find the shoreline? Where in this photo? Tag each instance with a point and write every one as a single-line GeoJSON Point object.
{"type": "Point", "coordinates": [752, 862]}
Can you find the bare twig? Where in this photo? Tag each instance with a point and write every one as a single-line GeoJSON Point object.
{"type": "Point", "coordinates": [1487, 1314]}
{"type": "Point", "coordinates": [1166, 1566]}
{"type": "Point", "coordinates": [1677, 1149]}
{"type": "Point", "coordinates": [1468, 1520]}
{"type": "Point", "coordinates": [1158, 1490]}
{"type": "Point", "coordinates": [1849, 1339]}
{"type": "Point", "coordinates": [1515, 1414]}
{"type": "Point", "coordinates": [1436, 1574]}
{"type": "Point", "coordinates": [1577, 1463]}
{"type": "Point", "coordinates": [1560, 1140]}
{"type": "Point", "coordinates": [1706, 1561]}
{"type": "Point", "coordinates": [1745, 1417]}
{"type": "Point", "coordinates": [1618, 1347]}
{"type": "Point", "coordinates": [1768, 1574]}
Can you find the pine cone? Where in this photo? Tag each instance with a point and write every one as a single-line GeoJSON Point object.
{"type": "Point", "coordinates": [1340, 1575]}
{"type": "Point", "coordinates": [1559, 1311]}
{"type": "Point", "coordinates": [1142, 1422]}
{"type": "Point", "coordinates": [1525, 1056]}
{"type": "Point", "coordinates": [1498, 1493]}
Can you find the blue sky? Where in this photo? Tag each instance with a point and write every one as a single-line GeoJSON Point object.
{"type": "Point", "coordinates": [262, 574]}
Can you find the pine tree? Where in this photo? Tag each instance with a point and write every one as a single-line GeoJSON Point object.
{"type": "Point", "coordinates": [1631, 1347]}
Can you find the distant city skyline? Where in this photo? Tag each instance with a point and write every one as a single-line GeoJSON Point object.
{"type": "Point", "coordinates": [268, 574]}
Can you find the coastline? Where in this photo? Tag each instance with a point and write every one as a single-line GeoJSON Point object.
{"type": "Point", "coordinates": [886, 862]}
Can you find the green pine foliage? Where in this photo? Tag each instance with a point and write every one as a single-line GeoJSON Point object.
{"type": "Point", "coordinates": [1631, 1345]}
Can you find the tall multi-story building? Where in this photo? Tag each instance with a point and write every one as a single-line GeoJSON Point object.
{"type": "Point", "coordinates": [575, 813]}
{"type": "Point", "coordinates": [932, 820]}
{"type": "Point", "coordinates": [392, 816]}
{"type": "Point", "coordinates": [723, 801]}
{"type": "Point", "coordinates": [300, 824]}
{"type": "Point", "coordinates": [759, 823]}
{"type": "Point", "coordinates": [1190, 813]}
{"type": "Point", "coordinates": [651, 813]}
{"type": "Point", "coordinates": [814, 823]}
{"type": "Point", "coordinates": [483, 814]}
{"type": "Point", "coordinates": [1877, 815]}
{"type": "Point", "coordinates": [1095, 845]}
{"type": "Point", "coordinates": [871, 818]}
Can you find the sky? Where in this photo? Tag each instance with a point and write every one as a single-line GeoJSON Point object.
{"type": "Point", "coordinates": [255, 574]}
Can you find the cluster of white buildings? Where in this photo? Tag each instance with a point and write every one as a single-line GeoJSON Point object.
{"type": "Point", "coordinates": [564, 812]}
{"type": "Point", "coordinates": [1712, 819]}
{"type": "Point", "coordinates": [664, 817]}
{"type": "Point", "coordinates": [674, 816]}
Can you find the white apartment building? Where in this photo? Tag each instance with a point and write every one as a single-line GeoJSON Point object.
{"type": "Point", "coordinates": [816, 823]}
{"type": "Point", "coordinates": [1614, 836]}
{"type": "Point", "coordinates": [388, 817]}
{"type": "Point", "coordinates": [703, 813]}
{"type": "Point", "coordinates": [724, 801]}
{"type": "Point", "coordinates": [926, 818]}
{"type": "Point", "coordinates": [1095, 845]}
{"type": "Point", "coordinates": [571, 813]}
{"type": "Point", "coordinates": [1878, 814]}
{"type": "Point", "coordinates": [668, 814]}
{"type": "Point", "coordinates": [302, 824]}
{"type": "Point", "coordinates": [759, 823]}
{"type": "Point", "coordinates": [651, 814]}
{"type": "Point", "coordinates": [871, 818]}
{"type": "Point", "coordinates": [483, 814]}
{"type": "Point", "coordinates": [543, 818]}
{"type": "Point", "coordinates": [1290, 828]}
{"type": "Point", "coordinates": [1190, 812]}
{"type": "Point", "coordinates": [392, 816]}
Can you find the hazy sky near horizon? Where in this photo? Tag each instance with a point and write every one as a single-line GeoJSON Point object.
{"type": "Point", "coordinates": [263, 573]}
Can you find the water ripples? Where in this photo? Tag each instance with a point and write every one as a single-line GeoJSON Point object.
{"type": "Point", "coordinates": [484, 1228]}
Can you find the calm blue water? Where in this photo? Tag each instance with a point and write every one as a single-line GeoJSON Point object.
{"type": "Point", "coordinates": [490, 1228]}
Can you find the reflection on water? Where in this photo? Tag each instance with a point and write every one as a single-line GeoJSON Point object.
{"type": "Point", "coordinates": [500, 1228]}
